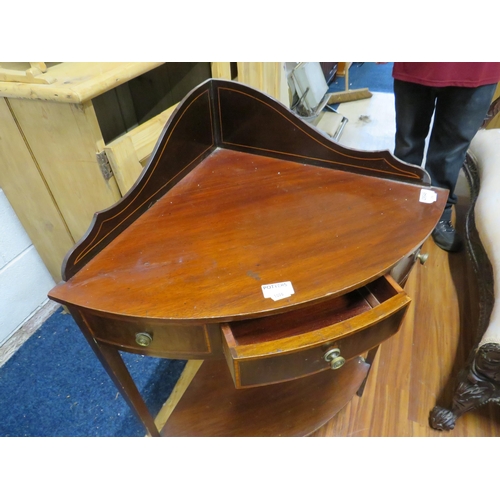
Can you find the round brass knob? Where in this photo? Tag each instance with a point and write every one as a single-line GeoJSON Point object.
{"type": "Point", "coordinates": [334, 358]}
{"type": "Point", "coordinates": [143, 339]}
{"type": "Point", "coordinates": [336, 363]}
{"type": "Point", "coordinates": [422, 257]}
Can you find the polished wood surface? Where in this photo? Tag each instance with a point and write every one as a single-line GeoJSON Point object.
{"type": "Point", "coordinates": [261, 412]}
{"type": "Point", "coordinates": [417, 368]}
{"type": "Point", "coordinates": [220, 114]}
{"type": "Point", "coordinates": [292, 345]}
{"type": "Point", "coordinates": [225, 206]}
{"type": "Point", "coordinates": [239, 221]}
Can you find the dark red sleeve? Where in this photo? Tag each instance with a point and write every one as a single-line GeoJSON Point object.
{"type": "Point", "coordinates": [444, 74]}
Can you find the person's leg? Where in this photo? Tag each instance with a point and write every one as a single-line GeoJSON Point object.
{"type": "Point", "coordinates": [414, 106]}
{"type": "Point", "coordinates": [459, 113]}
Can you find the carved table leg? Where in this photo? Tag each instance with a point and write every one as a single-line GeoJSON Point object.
{"type": "Point", "coordinates": [478, 385]}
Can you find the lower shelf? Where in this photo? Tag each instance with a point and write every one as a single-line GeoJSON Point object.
{"type": "Point", "coordinates": [212, 407]}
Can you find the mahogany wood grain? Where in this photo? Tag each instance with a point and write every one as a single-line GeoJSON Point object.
{"type": "Point", "coordinates": [255, 332]}
{"type": "Point", "coordinates": [292, 345]}
{"type": "Point", "coordinates": [264, 370]}
{"type": "Point", "coordinates": [417, 368]}
{"type": "Point", "coordinates": [238, 221]}
{"type": "Point", "coordinates": [249, 121]}
{"type": "Point", "coordinates": [262, 411]}
{"type": "Point", "coordinates": [167, 341]}
{"type": "Point", "coordinates": [228, 204]}
{"type": "Point", "coordinates": [223, 114]}
{"type": "Point", "coordinates": [332, 319]}
{"type": "Point", "coordinates": [187, 138]}
{"type": "Point", "coordinates": [117, 370]}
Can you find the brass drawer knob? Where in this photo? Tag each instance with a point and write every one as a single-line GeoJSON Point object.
{"type": "Point", "coordinates": [422, 257]}
{"type": "Point", "coordinates": [143, 339]}
{"type": "Point", "coordinates": [334, 358]}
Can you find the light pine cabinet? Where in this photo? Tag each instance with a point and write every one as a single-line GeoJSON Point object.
{"type": "Point", "coordinates": [74, 140]}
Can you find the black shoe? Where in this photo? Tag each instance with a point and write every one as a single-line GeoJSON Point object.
{"type": "Point", "coordinates": [445, 236]}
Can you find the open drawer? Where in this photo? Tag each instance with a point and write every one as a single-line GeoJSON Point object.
{"type": "Point", "coordinates": [294, 344]}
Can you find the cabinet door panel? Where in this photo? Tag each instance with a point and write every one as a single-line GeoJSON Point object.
{"type": "Point", "coordinates": [128, 154]}
{"type": "Point", "coordinates": [26, 191]}
{"type": "Point", "coordinates": [64, 142]}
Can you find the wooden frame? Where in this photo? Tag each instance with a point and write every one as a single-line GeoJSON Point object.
{"type": "Point", "coordinates": [229, 120]}
{"type": "Point", "coordinates": [238, 192]}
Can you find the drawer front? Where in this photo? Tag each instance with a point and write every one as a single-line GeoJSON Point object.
{"type": "Point", "coordinates": [280, 368]}
{"type": "Point", "coordinates": [292, 345]}
{"type": "Point", "coordinates": [156, 338]}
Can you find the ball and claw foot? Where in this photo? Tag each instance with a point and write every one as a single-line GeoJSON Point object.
{"type": "Point", "coordinates": [442, 419]}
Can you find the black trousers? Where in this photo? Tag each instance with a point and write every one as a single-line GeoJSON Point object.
{"type": "Point", "coordinates": [458, 114]}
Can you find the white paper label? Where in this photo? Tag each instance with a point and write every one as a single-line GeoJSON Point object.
{"type": "Point", "coordinates": [427, 196]}
{"type": "Point", "coordinates": [278, 291]}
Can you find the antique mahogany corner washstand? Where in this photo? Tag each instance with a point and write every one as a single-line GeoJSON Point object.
{"type": "Point", "coordinates": [254, 242]}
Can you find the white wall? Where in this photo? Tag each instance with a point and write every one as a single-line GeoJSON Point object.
{"type": "Point", "coordinates": [24, 279]}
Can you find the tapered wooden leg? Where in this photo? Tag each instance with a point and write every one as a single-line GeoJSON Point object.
{"type": "Point", "coordinates": [370, 358]}
{"type": "Point", "coordinates": [113, 363]}
{"type": "Point", "coordinates": [111, 360]}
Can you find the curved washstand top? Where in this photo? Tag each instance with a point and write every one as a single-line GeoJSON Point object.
{"type": "Point", "coordinates": [229, 115]}
{"type": "Point", "coordinates": [485, 151]}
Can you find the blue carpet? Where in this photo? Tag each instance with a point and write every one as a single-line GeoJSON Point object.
{"type": "Point", "coordinates": [375, 77]}
{"type": "Point", "coordinates": [55, 386]}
